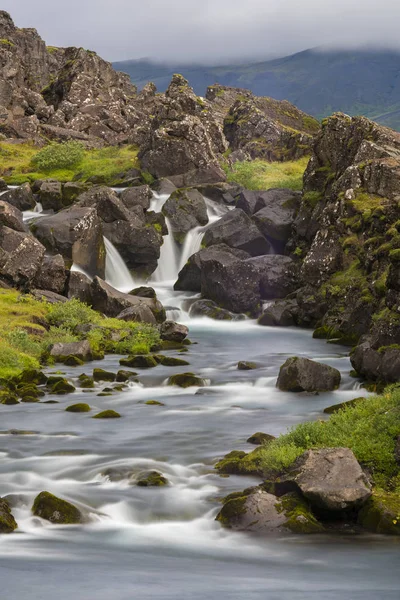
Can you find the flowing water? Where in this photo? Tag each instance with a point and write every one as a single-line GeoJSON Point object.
{"type": "Point", "coordinates": [164, 543]}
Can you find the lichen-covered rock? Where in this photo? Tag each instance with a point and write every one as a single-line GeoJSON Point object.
{"type": "Point", "coordinates": [137, 196]}
{"type": "Point", "coordinates": [21, 256]}
{"type": "Point", "coordinates": [304, 375]}
{"type": "Point", "coordinates": [56, 510]}
{"type": "Point", "coordinates": [10, 216]}
{"type": "Point", "coordinates": [78, 408]}
{"type": "Point", "coordinates": [278, 275]}
{"type": "Point", "coordinates": [331, 479]}
{"type": "Point", "coordinates": [7, 522]}
{"type": "Point", "coordinates": [185, 380]}
{"type": "Point", "coordinates": [151, 479]}
{"type": "Point", "coordinates": [52, 275]}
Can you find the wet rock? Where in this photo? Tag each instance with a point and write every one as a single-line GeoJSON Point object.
{"type": "Point", "coordinates": [10, 216]}
{"type": "Point", "coordinates": [259, 438]}
{"type": "Point", "coordinates": [32, 376]}
{"type": "Point", "coordinates": [50, 195]}
{"type": "Point", "coordinates": [86, 382]}
{"type": "Point", "coordinates": [21, 197]}
{"type": "Point", "coordinates": [62, 388]}
{"type": "Point", "coordinates": [330, 478]}
{"type": "Point", "coordinates": [185, 380]}
{"type": "Point", "coordinates": [151, 479]}
{"type": "Point", "coordinates": [247, 366]}
{"type": "Point", "coordinates": [173, 332]}
{"type": "Point", "coordinates": [73, 361]}
{"type": "Point", "coordinates": [140, 361]}
{"type": "Point", "coordinates": [79, 286]}
{"type": "Point", "coordinates": [280, 314]}
{"type": "Point", "coordinates": [111, 302]}
{"type": "Point", "coordinates": [164, 187]}
{"type": "Point", "coordinates": [237, 230]}
{"type": "Point", "coordinates": [380, 514]}
{"type": "Point", "coordinates": [101, 375]}
{"type": "Point", "coordinates": [80, 350]}
{"type": "Point", "coordinates": [154, 403]}
{"type": "Point", "coordinates": [56, 510]}
{"type": "Point", "coordinates": [123, 376]}
{"type": "Point", "coordinates": [330, 410]}
{"type": "Point", "coordinates": [278, 275]}
{"type": "Point", "coordinates": [170, 361]}
{"type": "Point", "coordinates": [185, 210]}
{"type": "Point", "coordinates": [78, 408]}
{"type": "Point", "coordinates": [52, 275]}
{"type": "Point", "coordinates": [208, 308]}
{"type": "Point", "coordinates": [304, 375]}
{"type": "Point", "coordinates": [137, 196]}
{"type": "Point", "coordinates": [276, 219]}
{"type": "Point", "coordinates": [7, 522]}
{"type": "Point", "coordinates": [109, 207]}
{"type": "Point", "coordinates": [144, 292]}
{"type": "Point", "coordinates": [139, 314]}
{"type": "Point", "coordinates": [108, 414]}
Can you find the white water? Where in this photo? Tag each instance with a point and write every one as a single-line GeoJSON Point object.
{"type": "Point", "coordinates": [117, 273]}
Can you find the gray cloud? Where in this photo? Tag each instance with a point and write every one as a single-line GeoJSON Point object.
{"type": "Point", "coordinates": [208, 30]}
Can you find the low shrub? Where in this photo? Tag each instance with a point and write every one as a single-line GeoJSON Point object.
{"type": "Point", "coordinates": [58, 156]}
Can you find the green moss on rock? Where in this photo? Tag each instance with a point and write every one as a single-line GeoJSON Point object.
{"type": "Point", "coordinates": [55, 510]}
{"type": "Point", "coordinates": [151, 479]}
{"type": "Point", "coordinates": [141, 361]}
{"type": "Point", "coordinates": [7, 522]}
{"type": "Point", "coordinates": [381, 514]}
{"type": "Point", "coordinates": [78, 408]}
{"type": "Point", "coordinates": [185, 380]}
{"type": "Point", "coordinates": [170, 361]}
{"type": "Point", "coordinates": [101, 375]}
{"type": "Point", "coordinates": [300, 518]}
{"type": "Point", "coordinates": [107, 414]}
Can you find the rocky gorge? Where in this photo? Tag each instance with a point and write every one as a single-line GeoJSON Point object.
{"type": "Point", "coordinates": [104, 277]}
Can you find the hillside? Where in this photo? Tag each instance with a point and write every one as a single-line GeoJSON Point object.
{"type": "Point", "coordinates": [355, 82]}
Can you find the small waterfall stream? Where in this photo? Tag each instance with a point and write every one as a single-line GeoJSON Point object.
{"type": "Point", "coordinates": [117, 273]}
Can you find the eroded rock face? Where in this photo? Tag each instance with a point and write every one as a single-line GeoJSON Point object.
{"type": "Point", "coordinates": [304, 375]}
{"type": "Point", "coordinates": [330, 478]}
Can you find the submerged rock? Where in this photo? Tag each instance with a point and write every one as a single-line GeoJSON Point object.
{"type": "Point", "coordinates": [141, 361]}
{"type": "Point", "coordinates": [102, 375]}
{"type": "Point", "coordinates": [78, 408]}
{"type": "Point", "coordinates": [245, 365]}
{"type": "Point", "coordinates": [107, 414]}
{"type": "Point", "coordinates": [185, 380]}
{"type": "Point", "coordinates": [151, 479]}
{"type": "Point", "coordinates": [55, 510]}
{"type": "Point", "coordinates": [208, 308]}
{"type": "Point", "coordinates": [304, 375]}
{"type": "Point", "coordinates": [170, 361]}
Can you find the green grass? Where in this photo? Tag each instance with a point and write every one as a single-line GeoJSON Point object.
{"type": "Point", "coordinates": [262, 175]}
{"type": "Point", "coordinates": [17, 164]}
{"type": "Point", "coordinates": [370, 428]}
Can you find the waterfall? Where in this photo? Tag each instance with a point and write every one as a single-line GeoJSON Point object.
{"type": "Point", "coordinates": [36, 212]}
{"type": "Point", "coordinates": [168, 263]}
{"type": "Point", "coordinates": [117, 273]}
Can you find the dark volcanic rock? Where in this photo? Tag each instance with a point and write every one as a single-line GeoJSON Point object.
{"type": "Point", "coordinates": [208, 308]}
{"type": "Point", "coordinates": [50, 195]}
{"type": "Point", "coordinates": [21, 256]}
{"type": "Point", "coordinates": [236, 229]}
{"type": "Point", "coordinates": [11, 217]}
{"type": "Point", "coordinates": [304, 375]}
{"type": "Point", "coordinates": [173, 332]}
{"type": "Point", "coordinates": [278, 275]}
{"type": "Point", "coordinates": [21, 197]}
{"type": "Point", "coordinates": [52, 275]}
{"type": "Point", "coordinates": [79, 286]}
{"type": "Point", "coordinates": [276, 219]}
{"type": "Point", "coordinates": [137, 196]}
{"type": "Point", "coordinates": [139, 313]}
{"type": "Point", "coordinates": [280, 314]}
{"type": "Point", "coordinates": [185, 210]}
{"type": "Point", "coordinates": [111, 302]}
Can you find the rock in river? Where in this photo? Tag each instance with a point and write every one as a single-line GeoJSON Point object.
{"type": "Point", "coordinates": [304, 375]}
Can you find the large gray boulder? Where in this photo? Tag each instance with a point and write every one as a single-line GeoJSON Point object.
{"type": "Point", "coordinates": [185, 210]}
{"type": "Point", "coordinates": [330, 478]}
{"type": "Point", "coordinates": [111, 302]}
{"type": "Point", "coordinates": [50, 195]}
{"type": "Point", "coordinates": [173, 332]}
{"type": "Point", "coordinates": [108, 205]}
{"type": "Point", "coordinates": [189, 278]}
{"type": "Point", "coordinates": [81, 350]}
{"type": "Point", "coordinates": [11, 216]}
{"type": "Point", "coordinates": [21, 256]}
{"type": "Point", "coordinates": [276, 219]}
{"type": "Point", "coordinates": [76, 233]}
{"type": "Point", "coordinates": [278, 275]}
{"type": "Point", "coordinates": [79, 286]}
{"type": "Point", "coordinates": [304, 375]}
{"type": "Point", "coordinates": [21, 197]}
{"type": "Point", "coordinates": [52, 275]}
{"type": "Point", "coordinates": [231, 283]}
{"type": "Point", "coordinates": [140, 313]}
{"type": "Point", "coordinates": [137, 196]}
{"type": "Point", "coordinates": [236, 229]}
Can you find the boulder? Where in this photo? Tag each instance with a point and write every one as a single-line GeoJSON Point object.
{"type": "Point", "coordinates": [107, 414]}
{"type": "Point", "coordinates": [111, 302]}
{"type": "Point", "coordinates": [185, 380]}
{"type": "Point", "coordinates": [260, 439]}
{"type": "Point", "coordinates": [232, 283]}
{"type": "Point", "coordinates": [78, 408]}
{"type": "Point", "coordinates": [10, 216]}
{"type": "Point", "coordinates": [81, 350]}
{"type": "Point", "coordinates": [7, 521]}
{"type": "Point", "coordinates": [76, 233]}
{"type": "Point", "coordinates": [21, 256]}
{"type": "Point", "coordinates": [52, 275]}
{"type": "Point", "coordinates": [380, 514]}
{"type": "Point", "coordinates": [144, 292]}
{"type": "Point", "coordinates": [56, 510]}
{"type": "Point", "coordinates": [237, 230]}
{"type": "Point", "coordinates": [151, 479]}
{"type": "Point", "coordinates": [136, 196]}
{"type": "Point", "coordinates": [102, 375]}
{"type": "Point", "coordinates": [304, 375]}
{"type": "Point", "coordinates": [50, 195]}
{"type": "Point", "coordinates": [276, 219]}
{"type": "Point", "coordinates": [21, 197]}
{"type": "Point", "coordinates": [141, 361]}
{"type": "Point", "coordinates": [108, 205]}
{"type": "Point", "coordinates": [79, 286]}
{"type": "Point", "coordinates": [173, 332]}
{"type": "Point", "coordinates": [279, 314]}
{"type": "Point", "coordinates": [71, 191]}
{"type": "Point", "coordinates": [164, 187]}
{"type": "Point", "coordinates": [185, 210]}
{"type": "Point", "coordinates": [245, 365]}
{"type": "Point", "coordinates": [139, 313]}
{"type": "Point", "coordinates": [208, 308]}
{"type": "Point", "coordinates": [278, 275]}
{"type": "Point", "coordinates": [189, 278]}
{"type": "Point", "coordinates": [50, 297]}
{"type": "Point", "coordinates": [331, 479]}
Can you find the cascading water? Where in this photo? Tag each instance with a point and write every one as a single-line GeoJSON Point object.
{"type": "Point", "coordinates": [117, 273]}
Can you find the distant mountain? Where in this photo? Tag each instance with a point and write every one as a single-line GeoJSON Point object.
{"type": "Point", "coordinates": [319, 82]}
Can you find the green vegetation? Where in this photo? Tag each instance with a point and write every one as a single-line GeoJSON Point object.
{"type": "Point", "coordinates": [5, 42]}
{"type": "Point", "coordinates": [20, 163]}
{"type": "Point", "coordinates": [262, 175]}
{"type": "Point", "coordinates": [369, 427]}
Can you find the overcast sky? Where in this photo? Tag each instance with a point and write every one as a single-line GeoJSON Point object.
{"type": "Point", "coordinates": [208, 30]}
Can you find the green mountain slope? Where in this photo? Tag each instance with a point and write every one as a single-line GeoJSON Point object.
{"type": "Point", "coordinates": [319, 82]}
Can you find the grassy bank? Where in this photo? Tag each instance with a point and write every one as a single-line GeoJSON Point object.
{"type": "Point", "coordinates": [28, 327]}
{"type": "Point", "coordinates": [262, 175]}
{"type": "Point", "coordinates": [18, 164]}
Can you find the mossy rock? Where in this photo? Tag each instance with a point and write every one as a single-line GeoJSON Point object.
{"type": "Point", "coordinates": [229, 465]}
{"type": "Point", "coordinates": [123, 376]}
{"type": "Point", "coordinates": [300, 518]}
{"type": "Point", "coordinates": [9, 398]}
{"type": "Point", "coordinates": [185, 380]}
{"type": "Point", "coordinates": [53, 379]}
{"type": "Point", "coordinates": [73, 361]}
{"type": "Point", "coordinates": [260, 438]}
{"type": "Point", "coordinates": [238, 462]}
{"type": "Point", "coordinates": [247, 366]}
{"type": "Point", "coordinates": [170, 361]}
{"type": "Point", "coordinates": [141, 361]}
{"type": "Point", "coordinates": [330, 410]}
{"type": "Point", "coordinates": [104, 394]}
{"type": "Point", "coordinates": [154, 403]}
{"type": "Point", "coordinates": [55, 510]}
{"type": "Point", "coordinates": [166, 345]}
{"type": "Point", "coordinates": [30, 390]}
{"type": "Point", "coordinates": [86, 382]}
{"type": "Point", "coordinates": [381, 514]}
{"type": "Point", "coordinates": [78, 408]}
{"type": "Point", "coordinates": [232, 510]}
{"type": "Point", "coordinates": [62, 388]}
{"type": "Point", "coordinates": [151, 479]}
{"type": "Point", "coordinates": [119, 388]}
{"type": "Point", "coordinates": [107, 414]}
{"type": "Point", "coordinates": [101, 375]}
{"type": "Point", "coordinates": [33, 376]}
{"type": "Point", "coordinates": [7, 522]}
{"type": "Point", "coordinates": [30, 399]}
